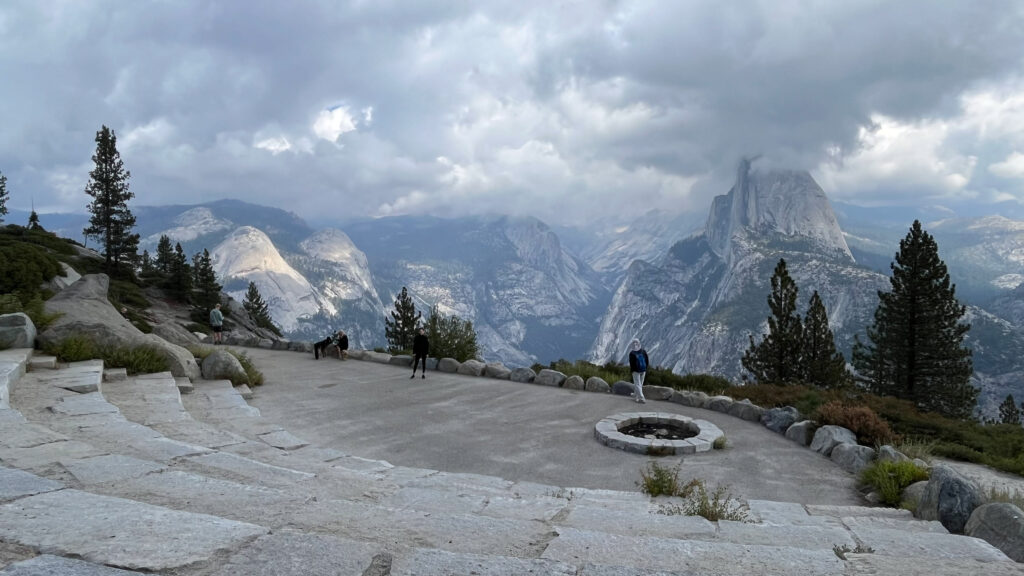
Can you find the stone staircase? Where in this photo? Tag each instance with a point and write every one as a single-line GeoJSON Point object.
{"type": "Point", "coordinates": [101, 473]}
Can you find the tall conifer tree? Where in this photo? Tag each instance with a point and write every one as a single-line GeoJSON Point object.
{"type": "Point", "coordinates": [206, 281]}
{"type": "Point", "coordinates": [1008, 411]}
{"type": "Point", "coordinates": [33, 221]}
{"type": "Point", "coordinates": [777, 358]}
{"type": "Point", "coordinates": [164, 255]}
{"type": "Point", "coordinates": [179, 280]}
{"type": "Point", "coordinates": [258, 309]}
{"type": "Point", "coordinates": [823, 365]}
{"type": "Point", "coordinates": [3, 197]}
{"type": "Point", "coordinates": [111, 220]}
{"type": "Point", "coordinates": [915, 346]}
{"type": "Point", "coordinates": [400, 329]}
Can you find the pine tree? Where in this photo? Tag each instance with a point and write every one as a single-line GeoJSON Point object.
{"type": "Point", "coordinates": [915, 346]}
{"type": "Point", "coordinates": [823, 365]}
{"type": "Point", "coordinates": [777, 359]}
{"type": "Point", "coordinates": [3, 196]}
{"type": "Point", "coordinates": [1008, 411]}
{"type": "Point", "coordinates": [146, 264]}
{"type": "Point", "coordinates": [400, 329]}
{"type": "Point", "coordinates": [179, 279]}
{"type": "Point", "coordinates": [111, 220]}
{"type": "Point", "coordinates": [258, 309]}
{"type": "Point", "coordinates": [206, 281]}
{"type": "Point", "coordinates": [450, 336]}
{"type": "Point", "coordinates": [33, 221]}
{"type": "Point", "coordinates": [164, 255]}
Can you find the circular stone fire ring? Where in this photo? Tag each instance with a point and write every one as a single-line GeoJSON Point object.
{"type": "Point", "coordinates": [609, 432]}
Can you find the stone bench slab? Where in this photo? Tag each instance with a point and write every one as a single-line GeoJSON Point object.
{"type": "Point", "coordinates": [49, 565]}
{"type": "Point", "coordinates": [283, 439]}
{"type": "Point", "coordinates": [44, 455]}
{"type": "Point", "coordinates": [18, 483]}
{"type": "Point", "coordinates": [930, 545]}
{"type": "Point", "coordinates": [809, 537]}
{"type": "Point", "coordinates": [298, 554]}
{"type": "Point", "coordinates": [423, 561]}
{"type": "Point", "coordinates": [248, 469]}
{"type": "Point", "coordinates": [119, 532]}
{"type": "Point", "coordinates": [638, 521]}
{"type": "Point", "coordinates": [109, 468]}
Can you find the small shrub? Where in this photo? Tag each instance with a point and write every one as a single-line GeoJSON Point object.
{"type": "Point", "coordinates": [997, 495]}
{"type": "Point", "coordinates": [200, 352]}
{"type": "Point", "coordinates": [201, 328]}
{"type": "Point", "coordinates": [869, 428]}
{"type": "Point", "coordinates": [843, 550]}
{"type": "Point", "coordinates": [74, 348]}
{"type": "Point", "coordinates": [252, 374]}
{"type": "Point", "coordinates": [916, 448]}
{"type": "Point", "coordinates": [658, 480]}
{"type": "Point", "coordinates": [136, 360]}
{"type": "Point", "coordinates": [891, 478]}
{"type": "Point", "coordinates": [720, 443]}
{"type": "Point", "coordinates": [713, 505]}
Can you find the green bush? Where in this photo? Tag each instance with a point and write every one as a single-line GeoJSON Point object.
{"type": "Point", "coordinates": [713, 505]}
{"type": "Point", "coordinates": [891, 478]}
{"type": "Point", "coordinates": [201, 328]}
{"type": "Point", "coordinates": [134, 359]}
{"type": "Point", "coordinates": [253, 376]}
{"type": "Point", "coordinates": [658, 480]}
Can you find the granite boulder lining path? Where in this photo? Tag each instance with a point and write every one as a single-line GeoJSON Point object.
{"type": "Point", "coordinates": [518, 431]}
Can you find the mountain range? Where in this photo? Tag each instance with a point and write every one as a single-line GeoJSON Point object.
{"type": "Point", "coordinates": [692, 287]}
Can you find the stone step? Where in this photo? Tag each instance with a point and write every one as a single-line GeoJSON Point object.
{"type": "Point", "coordinates": [13, 365]}
{"type": "Point", "coordinates": [184, 384]}
{"type": "Point", "coordinates": [244, 391]}
{"type": "Point", "coordinates": [50, 565]}
{"type": "Point", "coordinates": [688, 556]}
{"type": "Point", "coordinates": [439, 562]}
{"type": "Point", "coordinates": [115, 375]}
{"type": "Point", "coordinates": [875, 564]}
{"type": "Point", "coordinates": [18, 483]}
{"type": "Point", "coordinates": [42, 362]}
{"type": "Point", "coordinates": [119, 532]}
{"type": "Point", "coordinates": [290, 553]}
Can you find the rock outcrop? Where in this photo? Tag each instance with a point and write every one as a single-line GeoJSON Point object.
{"type": "Point", "coordinates": [84, 310]}
{"type": "Point", "coordinates": [17, 331]}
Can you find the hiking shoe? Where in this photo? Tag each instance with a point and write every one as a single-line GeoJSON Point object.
{"type": "Point", "coordinates": [413, 376]}
{"type": "Point", "coordinates": [423, 375]}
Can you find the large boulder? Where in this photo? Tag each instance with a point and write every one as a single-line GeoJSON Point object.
{"type": "Point", "coordinates": [574, 382]}
{"type": "Point", "coordinates": [950, 498]}
{"type": "Point", "coordinates": [912, 494]}
{"type": "Point", "coordinates": [175, 334]}
{"type": "Point", "coordinates": [471, 367]}
{"type": "Point", "coordinates": [222, 365]}
{"type": "Point", "coordinates": [448, 365]}
{"type": "Point", "coordinates": [889, 454]}
{"type": "Point", "coordinates": [828, 437]}
{"type": "Point", "coordinates": [58, 282]}
{"type": "Point", "coordinates": [658, 392]}
{"type": "Point", "coordinates": [853, 457]}
{"type": "Point", "coordinates": [84, 310]}
{"type": "Point", "coordinates": [780, 419]}
{"type": "Point", "coordinates": [1001, 524]}
{"type": "Point", "coordinates": [548, 377]}
{"type": "Point", "coordinates": [802, 432]}
{"type": "Point", "coordinates": [17, 331]}
{"type": "Point", "coordinates": [402, 360]}
{"type": "Point", "coordinates": [597, 384]}
{"type": "Point", "coordinates": [497, 370]}
{"type": "Point", "coordinates": [378, 357]}
{"type": "Point", "coordinates": [720, 404]}
{"type": "Point", "coordinates": [692, 398]}
{"type": "Point", "coordinates": [522, 375]}
{"type": "Point", "coordinates": [623, 388]}
{"type": "Point", "coordinates": [746, 410]}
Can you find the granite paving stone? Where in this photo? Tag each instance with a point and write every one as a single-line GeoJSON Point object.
{"type": "Point", "coordinates": [49, 565]}
{"type": "Point", "coordinates": [297, 554]}
{"type": "Point", "coordinates": [907, 544]}
{"type": "Point", "coordinates": [17, 483]}
{"type": "Point", "coordinates": [119, 532]}
{"type": "Point", "coordinates": [441, 563]}
{"type": "Point", "coordinates": [109, 468]}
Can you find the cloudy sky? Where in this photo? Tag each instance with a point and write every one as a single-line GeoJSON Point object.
{"type": "Point", "coordinates": [565, 110]}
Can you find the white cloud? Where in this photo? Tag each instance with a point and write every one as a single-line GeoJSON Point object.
{"type": "Point", "coordinates": [1011, 167]}
{"type": "Point", "coordinates": [155, 134]}
{"type": "Point", "coordinates": [332, 123]}
{"type": "Point", "coordinates": [274, 145]}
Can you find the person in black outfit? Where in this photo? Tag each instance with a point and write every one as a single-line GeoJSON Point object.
{"type": "Point", "coordinates": [342, 345]}
{"type": "Point", "coordinates": [420, 349]}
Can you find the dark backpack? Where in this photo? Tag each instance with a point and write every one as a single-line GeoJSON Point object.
{"type": "Point", "coordinates": [641, 364]}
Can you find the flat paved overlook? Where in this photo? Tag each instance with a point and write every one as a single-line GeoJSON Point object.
{"type": "Point", "coordinates": [520, 432]}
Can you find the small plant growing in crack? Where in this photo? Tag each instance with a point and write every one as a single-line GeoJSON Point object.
{"type": "Point", "coordinates": [842, 551]}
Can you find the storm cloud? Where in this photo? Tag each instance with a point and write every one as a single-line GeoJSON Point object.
{"type": "Point", "coordinates": [341, 110]}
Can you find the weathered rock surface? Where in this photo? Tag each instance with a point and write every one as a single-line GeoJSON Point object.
{"type": "Point", "coordinates": [780, 419]}
{"type": "Point", "coordinates": [17, 331]}
{"type": "Point", "coordinates": [693, 398]}
{"type": "Point", "coordinates": [548, 377]}
{"type": "Point", "coordinates": [1001, 524]}
{"type": "Point", "coordinates": [222, 365]}
{"type": "Point", "coordinates": [746, 410]}
{"type": "Point", "coordinates": [828, 437]}
{"type": "Point", "coordinates": [623, 388]}
{"type": "Point", "coordinates": [720, 404]}
{"type": "Point", "coordinates": [658, 392]}
{"type": "Point", "coordinates": [597, 384]}
{"type": "Point", "coordinates": [448, 365]}
{"type": "Point", "coordinates": [49, 565]}
{"type": "Point", "coordinates": [403, 360]}
{"type": "Point", "coordinates": [802, 432]}
{"type": "Point", "coordinates": [912, 494]}
{"type": "Point", "coordinates": [175, 334]}
{"type": "Point", "coordinates": [889, 454]}
{"type": "Point", "coordinates": [522, 375]}
{"type": "Point", "coordinates": [574, 382]}
{"type": "Point", "coordinates": [471, 367]}
{"type": "Point", "coordinates": [950, 498]}
{"type": "Point", "coordinates": [58, 282]}
{"type": "Point", "coordinates": [85, 310]}
{"type": "Point", "coordinates": [497, 370]}
{"type": "Point", "coordinates": [853, 457]}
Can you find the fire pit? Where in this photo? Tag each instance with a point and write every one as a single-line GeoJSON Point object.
{"type": "Point", "coordinates": [656, 433]}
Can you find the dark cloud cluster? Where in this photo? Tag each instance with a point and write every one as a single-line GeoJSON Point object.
{"type": "Point", "coordinates": [340, 110]}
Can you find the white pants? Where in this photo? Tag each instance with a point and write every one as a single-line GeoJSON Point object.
{"type": "Point", "coordinates": [638, 383]}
